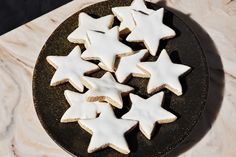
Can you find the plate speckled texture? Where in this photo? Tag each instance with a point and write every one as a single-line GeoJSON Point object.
{"type": "Point", "coordinates": [50, 102]}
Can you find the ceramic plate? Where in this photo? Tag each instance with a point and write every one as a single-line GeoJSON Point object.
{"type": "Point", "coordinates": [50, 102]}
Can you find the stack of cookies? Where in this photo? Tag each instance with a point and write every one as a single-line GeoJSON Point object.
{"type": "Point", "coordinates": [93, 109]}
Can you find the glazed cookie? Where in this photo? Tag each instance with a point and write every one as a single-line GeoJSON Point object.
{"type": "Point", "coordinates": [86, 23]}
{"type": "Point", "coordinates": [105, 89]}
{"type": "Point", "coordinates": [124, 14]}
{"type": "Point", "coordinates": [125, 72]}
{"type": "Point", "coordinates": [128, 66]}
{"type": "Point", "coordinates": [105, 47]}
{"type": "Point", "coordinates": [70, 68]}
{"type": "Point", "coordinates": [164, 74]}
{"type": "Point", "coordinates": [147, 112]}
{"type": "Point", "coordinates": [79, 107]}
{"type": "Point", "coordinates": [150, 29]}
{"type": "Point", "coordinates": [108, 131]}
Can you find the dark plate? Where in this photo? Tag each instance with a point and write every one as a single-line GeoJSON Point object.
{"type": "Point", "coordinates": [50, 103]}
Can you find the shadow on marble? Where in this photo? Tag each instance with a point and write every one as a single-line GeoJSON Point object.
{"type": "Point", "coordinates": [216, 83]}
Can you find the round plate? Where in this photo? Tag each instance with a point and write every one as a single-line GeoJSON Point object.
{"type": "Point", "coordinates": [50, 102]}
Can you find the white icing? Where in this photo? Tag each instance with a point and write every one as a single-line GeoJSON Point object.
{"type": "Point", "coordinates": [107, 130]}
{"type": "Point", "coordinates": [79, 107]}
{"type": "Point", "coordinates": [86, 22]}
{"type": "Point", "coordinates": [105, 47]}
{"type": "Point", "coordinates": [124, 14]}
{"type": "Point", "coordinates": [102, 66]}
{"type": "Point", "coordinates": [128, 66]}
{"type": "Point", "coordinates": [106, 89]}
{"type": "Point", "coordinates": [150, 29]}
{"type": "Point", "coordinates": [70, 68]}
{"type": "Point", "coordinates": [147, 112]}
{"type": "Point", "coordinates": [164, 74]}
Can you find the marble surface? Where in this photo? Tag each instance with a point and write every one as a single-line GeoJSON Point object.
{"type": "Point", "coordinates": [21, 134]}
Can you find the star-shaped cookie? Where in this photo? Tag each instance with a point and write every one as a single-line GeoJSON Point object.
{"type": "Point", "coordinates": [164, 74]}
{"type": "Point", "coordinates": [86, 22]}
{"type": "Point", "coordinates": [108, 131]}
{"type": "Point", "coordinates": [150, 29]}
{"type": "Point", "coordinates": [124, 14]}
{"type": "Point", "coordinates": [128, 66]}
{"type": "Point", "coordinates": [105, 89]}
{"type": "Point", "coordinates": [70, 68]}
{"type": "Point", "coordinates": [147, 112]}
{"type": "Point", "coordinates": [105, 47]}
{"type": "Point", "coordinates": [79, 107]}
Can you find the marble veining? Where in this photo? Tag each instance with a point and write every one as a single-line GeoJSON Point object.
{"type": "Point", "coordinates": [21, 134]}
